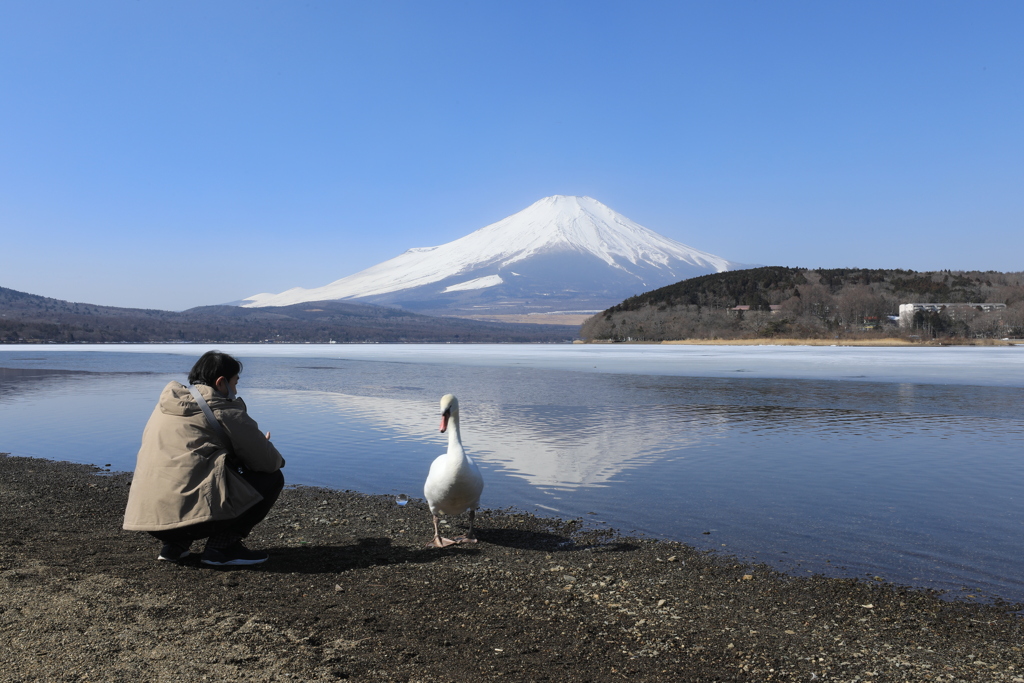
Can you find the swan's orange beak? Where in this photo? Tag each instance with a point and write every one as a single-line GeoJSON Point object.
{"type": "Point", "coordinates": [444, 420]}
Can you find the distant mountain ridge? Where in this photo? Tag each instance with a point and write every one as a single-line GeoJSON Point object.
{"type": "Point", "coordinates": [32, 318]}
{"type": "Point", "coordinates": [560, 253]}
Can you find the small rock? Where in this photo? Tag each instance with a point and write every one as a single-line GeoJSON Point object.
{"type": "Point", "coordinates": [661, 603]}
{"type": "Point", "coordinates": [672, 559]}
{"type": "Point", "coordinates": [344, 644]}
{"type": "Point", "coordinates": [748, 577]}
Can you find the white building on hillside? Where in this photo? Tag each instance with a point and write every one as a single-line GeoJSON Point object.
{"type": "Point", "coordinates": [907, 310]}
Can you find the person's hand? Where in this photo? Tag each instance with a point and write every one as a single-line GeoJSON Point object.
{"type": "Point", "coordinates": [268, 436]}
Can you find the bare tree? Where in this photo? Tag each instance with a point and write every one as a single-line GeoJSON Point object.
{"type": "Point", "coordinates": [856, 305]}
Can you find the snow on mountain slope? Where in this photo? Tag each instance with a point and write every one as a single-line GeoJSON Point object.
{"type": "Point", "coordinates": [478, 283]}
{"type": "Point", "coordinates": [580, 228]}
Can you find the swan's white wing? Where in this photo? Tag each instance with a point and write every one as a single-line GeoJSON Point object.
{"type": "Point", "coordinates": [453, 488]}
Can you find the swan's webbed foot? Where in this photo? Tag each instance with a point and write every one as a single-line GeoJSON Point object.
{"type": "Point", "coordinates": [440, 542]}
{"type": "Point", "coordinates": [469, 536]}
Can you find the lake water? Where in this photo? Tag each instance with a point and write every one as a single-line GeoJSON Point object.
{"type": "Point", "coordinates": [904, 463]}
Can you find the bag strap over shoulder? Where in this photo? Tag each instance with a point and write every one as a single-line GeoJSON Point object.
{"type": "Point", "coordinates": [214, 424]}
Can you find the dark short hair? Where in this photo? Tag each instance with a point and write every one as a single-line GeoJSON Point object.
{"type": "Point", "coordinates": [211, 365]}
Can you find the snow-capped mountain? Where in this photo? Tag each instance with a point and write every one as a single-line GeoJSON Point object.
{"type": "Point", "coordinates": [559, 253]}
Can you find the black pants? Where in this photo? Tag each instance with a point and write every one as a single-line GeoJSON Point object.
{"type": "Point", "coordinates": [269, 484]}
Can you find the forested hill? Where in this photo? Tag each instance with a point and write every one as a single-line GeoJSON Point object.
{"type": "Point", "coordinates": [32, 318]}
{"type": "Point", "coordinates": [754, 287]}
{"type": "Point", "coordinates": [802, 303]}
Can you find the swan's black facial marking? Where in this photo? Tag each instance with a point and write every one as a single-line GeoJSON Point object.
{"type": "Point", "coordinates": [449, 407]}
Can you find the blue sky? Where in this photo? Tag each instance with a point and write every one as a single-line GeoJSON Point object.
{"type": "Point", "coordinates": [175, 154]}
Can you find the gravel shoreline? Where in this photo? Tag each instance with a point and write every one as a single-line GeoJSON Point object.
{"type": "Point", "coordinates": [351, 593]}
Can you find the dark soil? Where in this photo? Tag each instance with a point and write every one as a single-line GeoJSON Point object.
{"type": "Point", "coordinates": [350, 592]}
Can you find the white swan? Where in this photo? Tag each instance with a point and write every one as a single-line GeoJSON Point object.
{"type": "Point", "coordinates": [454, 482]}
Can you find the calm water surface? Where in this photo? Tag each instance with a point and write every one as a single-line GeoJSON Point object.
{"type": "Point", "coordinates": [900, 463]}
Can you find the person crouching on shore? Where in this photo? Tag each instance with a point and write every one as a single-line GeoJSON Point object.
{"type": "Point", "coordinates": [205, 470]}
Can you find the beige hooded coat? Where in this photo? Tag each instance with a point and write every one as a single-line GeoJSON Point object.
{"type": "Point", "coordinates": [182, 476]}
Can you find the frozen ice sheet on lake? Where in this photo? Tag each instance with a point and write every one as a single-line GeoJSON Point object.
{"type": "Point", "coordinates": [987, 366]}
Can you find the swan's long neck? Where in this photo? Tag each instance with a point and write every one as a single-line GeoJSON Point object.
{"type": "Point", "coordinates": [454, 436]}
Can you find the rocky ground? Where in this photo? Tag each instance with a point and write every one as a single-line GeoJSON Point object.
{"type": "Point", "coordinates": [350, 592]}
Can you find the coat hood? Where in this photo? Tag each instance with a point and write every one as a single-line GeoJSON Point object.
{"type": "Point", "coordinates": [176, 399]}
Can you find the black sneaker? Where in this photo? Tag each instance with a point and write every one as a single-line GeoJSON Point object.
{"type": "Point", "coordinates": [236, 554]}
{"type": "Point", "coordinates": [172, 553]}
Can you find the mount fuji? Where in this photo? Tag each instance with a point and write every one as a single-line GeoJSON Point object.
{"type": "Point", "coordinates": [560, 254]}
